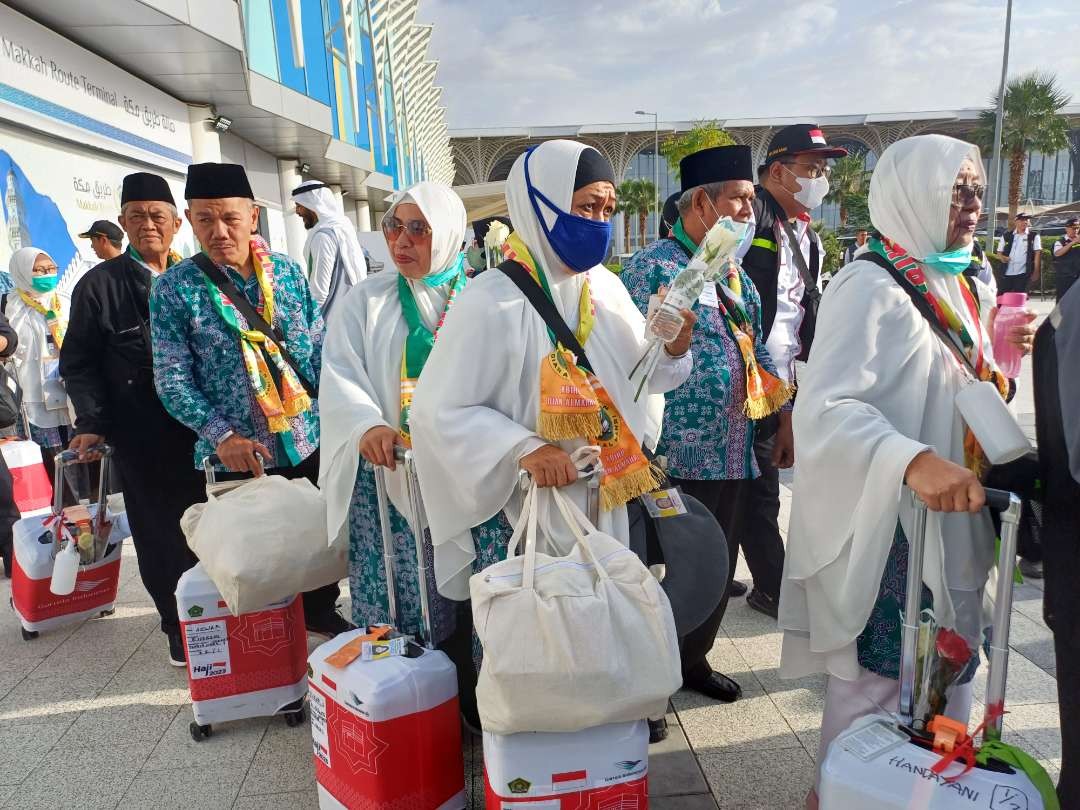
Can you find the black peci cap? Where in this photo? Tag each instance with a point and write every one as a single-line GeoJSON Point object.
{"type": "Point", "coordinates": [1072, 221]}
{"type": "Point", "coordinates": [801, 139]}
{"type": "Point", "coordinates": [1023, 215]}
{"type": "Point", "coordinates": [215, 181]}
{"type": "Point", "coordinates": [716, 165]}
{"type": "Point", "coordinates": [146, 187]}
{"type": "Point", "coordinates": [110, 230]}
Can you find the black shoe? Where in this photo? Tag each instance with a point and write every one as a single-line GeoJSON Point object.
{"type": "Point", "coordinates": [763, 603]}
{"type": "Point", "coordinates": [328, 624]}
{"type": "Point", "coordinates": [718, 687]}
{"type": "Point", "coordinates": [177, 653]}
{"type": "Point", "coordinates": [658, 730]}
{"type": "Point", "coordinates": [736, 589]}
{"type": "Point", "coordinates": [1031, 570]}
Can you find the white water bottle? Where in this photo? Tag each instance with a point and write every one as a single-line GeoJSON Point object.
{"type": "Point", "coordinates": [65, 570]}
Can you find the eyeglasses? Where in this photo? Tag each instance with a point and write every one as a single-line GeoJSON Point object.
{"type": "Point", "coordinates": [45, 270]}
{"type": "Point", "coordinates": [417, 228]}
{"type": "Point", "coordinates": [813, 171]}
{"type": "Point", "coordinates": [965, 194]}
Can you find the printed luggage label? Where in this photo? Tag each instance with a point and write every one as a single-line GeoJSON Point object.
{"type": "Point", "coordinates": [208, 649]}
{"type": "Point", "coordinates": [320, 737]}
{"type": "Point", "coordinates": [872, 740]}
{"type": "Point", "coordinates": [664, 503]}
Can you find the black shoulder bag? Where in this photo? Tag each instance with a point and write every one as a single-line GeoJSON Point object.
{"type": "Point", "coordinates": [254, 319]}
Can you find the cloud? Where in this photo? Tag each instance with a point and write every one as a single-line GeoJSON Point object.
{"type": "Point", "coordinates": [571, 62]}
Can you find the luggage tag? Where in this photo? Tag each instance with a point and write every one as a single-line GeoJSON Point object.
{"type": "Point", "coordinates": [347, 653]}
{"type": "Point", "coordinates": [709, 297]}
{"type": "Point", "coordinates": [377, 650]}
{"type": "Point", "coordinates": [664, 503]}
{"type": "Point", "coordinates": [869, 742]}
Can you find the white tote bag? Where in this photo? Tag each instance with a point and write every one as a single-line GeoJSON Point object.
{"type": "Point", "coordinates": [264, 541]}
{"type": "Point", "coordinates": [571, 642]}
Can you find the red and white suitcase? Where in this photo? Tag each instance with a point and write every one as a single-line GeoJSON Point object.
{"type": "Point", "coordinates": [31, 487]}
{"type": "Point", "coordinates": [600, 768]}
{"type": "Point", "coordinates": [889, 762]}
{"type": "Point", "coordinates": [387, 732]}
{"type": "Point", "coordinates": [36, 541]}
{"type": "Point", "coordinates": [251, 665]}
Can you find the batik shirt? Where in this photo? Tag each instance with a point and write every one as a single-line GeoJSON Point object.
{"type": "Point", "coordinates": [707, 435]}
{"type": "Point", "coordinates": [198, 366]}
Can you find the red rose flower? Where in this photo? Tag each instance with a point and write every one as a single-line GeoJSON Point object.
{"type": "Point", "coordinates": [952, 647]}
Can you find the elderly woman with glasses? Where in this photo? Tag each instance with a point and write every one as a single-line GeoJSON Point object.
{"type": "Point", "coordinates": [876, 412]}
{"type": "Point", "coordinates": [376, 347]}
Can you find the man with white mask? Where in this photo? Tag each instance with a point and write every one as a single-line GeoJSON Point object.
{"type": "Point", "coordinates": [378, 344]}
{"type": "Point", "coordinates": [709, 422]}
{"type": "Point", "coordinates": [478, 418]}
{"type": "Point", "coordinates": [876, 411]}
{"type": "Point", "coordinates": [784, 262]}
{"type": "Point", "coordinates": [332, 254]}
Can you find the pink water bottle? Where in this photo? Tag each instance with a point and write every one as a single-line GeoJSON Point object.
{"type": "Point", "coordinates": [1012, 311]}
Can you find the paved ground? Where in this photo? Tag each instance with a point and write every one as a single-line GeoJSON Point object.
{"type": "Point", "coordinates": [94, 717]}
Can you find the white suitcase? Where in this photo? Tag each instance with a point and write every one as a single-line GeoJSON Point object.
{"type": "Point", "coordinates": [600, 767]}
{"type": "Point", "coordinates": [251, 665]}
{"type": "Point", "coordinates": [863, 769]}
{"type": "Point", "coordinates": [387, 733]}
{"type": "Point", "coordinates": [36, 539]}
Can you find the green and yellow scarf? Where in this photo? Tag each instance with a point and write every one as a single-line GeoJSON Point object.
{"type": "Point", "coordinates": [53, 315]}
{"type": "Point", "coordinates": [765, 393]}
{"type": "Point", "coordinates": [277, 405]}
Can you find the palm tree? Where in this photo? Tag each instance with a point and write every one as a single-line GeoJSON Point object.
{"type": "Point", "coordinates": [1033, 123]}
{"type": "Point", "coordinates": [636, 196]}
{"type": "Point", "coordinates": [848, 181]}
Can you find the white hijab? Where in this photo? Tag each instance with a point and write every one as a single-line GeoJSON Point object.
{"type": "Point", "coordinates": [30, 326]}
{"type": "Point", "coordinates": [879, 389]}
{"type": "Point", "coordinates": [910, 198]}
{"type": "Point", "coordinates": [360, 382]}
{"type": "Point", "coordinates": [476, 405]}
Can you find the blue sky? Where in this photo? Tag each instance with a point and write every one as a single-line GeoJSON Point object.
{"type": "Point", "coordinates": [512, 63]}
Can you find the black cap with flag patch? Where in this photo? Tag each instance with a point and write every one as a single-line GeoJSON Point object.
{"type": "Point", "coordinates": [801, 139]}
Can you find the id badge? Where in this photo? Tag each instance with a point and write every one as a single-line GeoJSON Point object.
{"type": "Point", "coordinates": [869, 742]}
{"type": "Point", "coordinates": [664, 503]}
{"type": "Point", "coordinates": [708, 297]}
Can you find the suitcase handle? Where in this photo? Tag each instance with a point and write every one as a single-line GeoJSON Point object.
{"type": "Point", "coordinates": [68, 457]}
{"type": "Point", "coordinates": [418, 524]}
{"type": "Point", "coordinates": [1010, 507]}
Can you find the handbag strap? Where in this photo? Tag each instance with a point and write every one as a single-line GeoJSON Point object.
{"type": "Point", "coordinates": [924, 308]}
{"type": "Point", "coordinates": [251, 315]}
{"type": "Point", "coordinates": [545, 308]}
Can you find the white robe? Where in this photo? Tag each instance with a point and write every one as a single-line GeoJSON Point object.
{"type": "Point", "coordinates": [475, 409]}
{"type": "Point", "coordinates": [879, 389]}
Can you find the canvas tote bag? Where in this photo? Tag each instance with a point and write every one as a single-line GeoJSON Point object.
{"type": "Point", "coordinates": [571, 642]}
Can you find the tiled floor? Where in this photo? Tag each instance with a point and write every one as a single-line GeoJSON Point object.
{"type": "Point", "coordinates": [94, 717]}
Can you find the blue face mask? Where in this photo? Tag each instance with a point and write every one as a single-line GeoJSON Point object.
{"type": "Point", "coordinates": [953, 262]}
{"type": "Point", "coordinates": [44, 284]}
{"type": "Point", "coordinates": [581, 243]}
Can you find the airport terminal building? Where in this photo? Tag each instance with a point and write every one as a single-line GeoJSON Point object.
{"type": "Point", "coordinates": [337, 90]}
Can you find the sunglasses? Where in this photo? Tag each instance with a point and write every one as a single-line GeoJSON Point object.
{"type": "Point", "coordinates": [964, 194]}
{"type": "Point", "coordinates": [417, 228]}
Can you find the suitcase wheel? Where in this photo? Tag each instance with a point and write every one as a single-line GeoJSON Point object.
{"type": "Point", "coordinates": [293, 719]}
{"type": "Point", "coordinates": [200, 733]}
{"type": "Point", "coordinates": [28, 635]}
{"type": "Point", "coordinates": [105, 613]}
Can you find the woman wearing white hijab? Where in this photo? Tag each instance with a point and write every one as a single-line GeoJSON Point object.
{"type": "Point", "coordinates": [477, 417]}
{"type": "Point", "coordinates": [876, 411]}
{"type": "Point", "coordinates": [375, 348]}
{"type": "Point", "coordinates": [38, 314]}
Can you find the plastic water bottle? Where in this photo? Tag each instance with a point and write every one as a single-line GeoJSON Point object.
{"type": "Point", "coordinates": [667, 321]}
{"type": "Point", "coordinates": [1012, 311]}
{"type": "Point", "coordinates": [65, 570]}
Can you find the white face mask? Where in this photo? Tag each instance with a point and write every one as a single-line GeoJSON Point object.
{"type": "Point", "coordinates": [812, 192]}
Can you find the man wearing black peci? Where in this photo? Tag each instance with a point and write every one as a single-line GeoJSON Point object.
{"type": "Point", "coordinates": [107, 366]}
